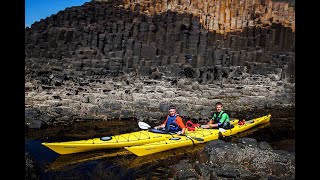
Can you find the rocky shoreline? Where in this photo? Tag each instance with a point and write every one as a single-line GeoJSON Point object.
{"type": "Point", "coordinates": [245, 159]}
{"type": "Point", "coordinates": [128, 97]}
{"type": "Point", "coordinates": [32, 168]}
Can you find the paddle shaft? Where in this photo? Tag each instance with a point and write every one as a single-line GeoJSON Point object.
{"type": "Point", "coordinates": [195, 138]}
{"type": "Point", "coordinates": [190, 139]}
{"type": "Point", "coordinates": [144, 125]}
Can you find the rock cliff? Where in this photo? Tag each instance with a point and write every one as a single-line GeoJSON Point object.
{"type": "Point", "coordinates": [134, 58]}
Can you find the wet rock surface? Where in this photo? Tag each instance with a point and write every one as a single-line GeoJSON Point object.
{"type": "Point", "coordinates": [32, 168]}
{"type": "Point", "coordinates": [245, 159]}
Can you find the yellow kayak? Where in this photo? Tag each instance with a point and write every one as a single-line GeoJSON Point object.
{"type": "Point", "coordinates": [116, 141]}
{"type": "Point", "coordinates": [173, 143]}
{"type": "Point", "coordinates": [140, 161]}
{"type": "Point", "coordinates": [188, 140]}
{"type": "Point", "coordinates": [248, 124]}
{"type": "Point", "coordinates": [191, 138]}
{"type": "Point", "coordinates": [112, 142]}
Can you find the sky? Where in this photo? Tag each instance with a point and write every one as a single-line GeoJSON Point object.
{"type": "Point", "coordinates": [35, 10]}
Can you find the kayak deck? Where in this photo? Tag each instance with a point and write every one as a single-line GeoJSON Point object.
{"type": "Point", "coordinates": [247, 125]}
{"type": "Point", "coordinates": [116, 141]}
{"type": "Point", "coordinates": [207, 135]}
{"type": "Point", "coordinates": [172, 143]}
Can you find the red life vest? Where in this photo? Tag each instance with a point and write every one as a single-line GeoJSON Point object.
{"type": "Point", "coordinates": [191, 126]}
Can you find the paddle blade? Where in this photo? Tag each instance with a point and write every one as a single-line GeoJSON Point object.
{"type": "Point", "coordinates": [143, 125]}
{"type": "Point", "coordinates": [222, 130]}
{"type": "Point", "coordinates": [205, 126]}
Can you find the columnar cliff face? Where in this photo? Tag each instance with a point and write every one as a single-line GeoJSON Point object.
{"type": "Point", "coordinates": [134, 58]}
{"type": "Point", "coordinates": [221, 15]}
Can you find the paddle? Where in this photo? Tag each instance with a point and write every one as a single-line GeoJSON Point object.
{"type": "Point", "coordinates": [143, 125]}
{"type": "Point", "coordinates": [195, 138]}
{"type": "Point", "coordinates": [207, 127]}
{"type": "Point", "coordinates": [222, 130]}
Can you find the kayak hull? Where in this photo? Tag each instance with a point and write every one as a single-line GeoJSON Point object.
{"type": "Point", "coordinates": [205, 134]}
{"type": "Point", "coordinates": [198, 136]}
{"type": "Point", "coordinates": [116, 141]}
{"type": "Point", "coordinates": [191, 139]}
